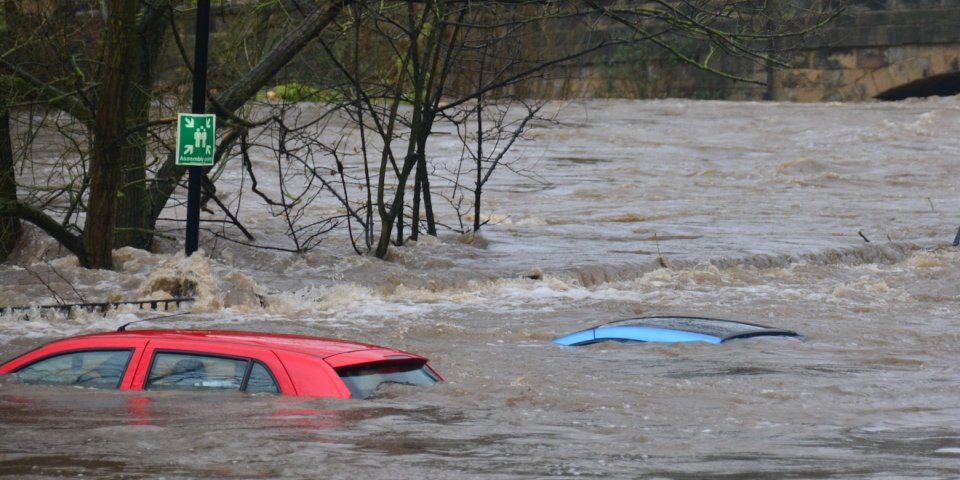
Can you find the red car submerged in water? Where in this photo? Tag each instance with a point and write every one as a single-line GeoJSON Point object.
{"type": "Point", "coordinates": [225, 360]}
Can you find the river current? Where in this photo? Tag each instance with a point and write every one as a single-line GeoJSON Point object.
{"type": "Point", "coordinates": [833, 220]}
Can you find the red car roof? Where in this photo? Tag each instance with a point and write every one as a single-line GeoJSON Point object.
{"type": "Point", "coordinates": [315, 346]}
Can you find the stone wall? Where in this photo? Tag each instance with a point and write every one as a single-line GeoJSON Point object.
{"type": "Point", "coordinates": [876, 46]}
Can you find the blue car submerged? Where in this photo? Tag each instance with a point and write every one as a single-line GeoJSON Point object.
{"type": "Point", "coordinates": [671, 329]}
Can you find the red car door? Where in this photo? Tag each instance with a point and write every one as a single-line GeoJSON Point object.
{"type": "Point", "coordinates": [202, 348]}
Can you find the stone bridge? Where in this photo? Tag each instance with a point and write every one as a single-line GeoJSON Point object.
{"type": "Point", "coordinates": [885, 49]}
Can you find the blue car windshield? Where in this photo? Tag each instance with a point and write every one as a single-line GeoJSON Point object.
{"type": "Point", "coordinates": [363, 381]}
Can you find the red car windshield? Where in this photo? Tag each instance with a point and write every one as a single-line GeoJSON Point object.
{"type": "Point", "coordinates": [364, 380]}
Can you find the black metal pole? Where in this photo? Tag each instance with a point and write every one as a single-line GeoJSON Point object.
{"type": "Point", "coordinates": [195, 173]}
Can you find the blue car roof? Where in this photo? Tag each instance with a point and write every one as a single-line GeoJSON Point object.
{"type": "Point", "coordinates": [671, 329]}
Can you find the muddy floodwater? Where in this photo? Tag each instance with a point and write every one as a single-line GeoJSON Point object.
{"type": "Point", "coordinates": [832, 220]}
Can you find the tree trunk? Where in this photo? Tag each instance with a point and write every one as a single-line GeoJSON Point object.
{"type": "Point", "coordinates": [774, 75]}
{"type": "Point", "coordinates": [478, 186]}
{"type": "Point", "coordinates": [423, 177]}
{"type": "Point", "coordinates": [387, 217]}
{"type": "Point", "coordinates": [10, 228]}
{"type": "Point", "coordinates": [109, 143]}
{"type": "Point", "coordinates": [415, 210]}
{"type": "Point", "coordinates": [134, 226]}
{"type": "Point", "coordinates": [135, 219]}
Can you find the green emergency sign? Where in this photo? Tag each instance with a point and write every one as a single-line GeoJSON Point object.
{"type": "Point", "coordinates": [196, 137]}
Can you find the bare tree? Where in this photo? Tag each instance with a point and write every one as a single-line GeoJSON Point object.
{"type": "Point", "coordinates": [397, 69]}
{"type": "Point", "coordinates": [101, 74]}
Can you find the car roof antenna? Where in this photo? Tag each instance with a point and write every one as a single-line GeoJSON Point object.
{"type": "Point", "coordinates": [123, 328]}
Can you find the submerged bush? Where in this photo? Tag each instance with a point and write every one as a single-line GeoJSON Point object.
{"type": "Point", "coordinates": [298, 92]}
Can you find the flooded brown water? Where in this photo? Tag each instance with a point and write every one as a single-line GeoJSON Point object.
{"type": "Point", "coordinates": [833, 220]}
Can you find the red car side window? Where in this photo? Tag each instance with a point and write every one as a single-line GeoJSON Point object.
{"type": "Point", "coordinates": [180, 371]}
{"type": "Point", "coordinates": [88, 368]}
{"type": "Point", "coordinates": [260, 380]}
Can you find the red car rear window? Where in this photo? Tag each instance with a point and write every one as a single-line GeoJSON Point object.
{"type": "Point", "coordinates": [364, 380]}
